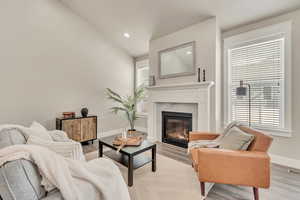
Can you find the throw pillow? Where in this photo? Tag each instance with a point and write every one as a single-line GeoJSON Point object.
{"type": "Point", "coordinates": [40, 131]}
{"type": "Point", "coordinates": [59, 136]}
{"type": "Point", "coordinates": [236, 139]}
{"type": "Point", "coordinates": [70, 149]}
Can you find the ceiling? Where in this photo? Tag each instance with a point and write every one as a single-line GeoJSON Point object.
{"type": "Point", "coordinates": [148, 19]}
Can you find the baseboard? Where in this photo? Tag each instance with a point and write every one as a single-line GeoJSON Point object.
{"type": "Point", "coordinates": [284, 161]}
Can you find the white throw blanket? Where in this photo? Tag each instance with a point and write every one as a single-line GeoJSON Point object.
{"type": "Point", "coordinates": [202, 144]}
{"type": "Point", "coordinates": [98, 179]}
{"type": "Point", "coordinates": [211, 143]}
{"type": "Point", "coordinates": [58, 142]}
{"type": "Point", "coordinates": [70, 149]}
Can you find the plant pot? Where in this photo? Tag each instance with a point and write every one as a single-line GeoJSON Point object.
{"type": "Point", "coordinates": [131, 132]}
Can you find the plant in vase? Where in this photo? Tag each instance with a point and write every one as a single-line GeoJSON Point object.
{"type": "Point", "coordinates": [127, 104]}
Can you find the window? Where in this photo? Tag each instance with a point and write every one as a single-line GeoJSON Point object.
{"type": "Point", "coordinates": [142, 73]}
{"type": "Point", "coordinates": [261, 64]}
{"type": "Point", "coordinates": [142, 79]}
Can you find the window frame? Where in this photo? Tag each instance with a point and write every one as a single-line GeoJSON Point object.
{"type": "Point", "coordinates": [255, 36]}
{"type": "Point", "coordinates": [139, 59]}
{"type": "Point", "coordinates": [135, 69]}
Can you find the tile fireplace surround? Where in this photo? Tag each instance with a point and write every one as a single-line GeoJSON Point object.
{"type": "Point", "coordinates": [179, 96]}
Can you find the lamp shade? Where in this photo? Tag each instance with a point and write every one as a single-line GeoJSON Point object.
{"type": "Point", "coordinates": [241, 91]}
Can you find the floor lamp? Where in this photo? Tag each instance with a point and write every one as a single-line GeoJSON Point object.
{"type": "Point", "coordinates": [242, 91]}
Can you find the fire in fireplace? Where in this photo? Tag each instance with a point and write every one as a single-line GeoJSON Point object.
{"type": "Point", "coordinates": [176, 127]}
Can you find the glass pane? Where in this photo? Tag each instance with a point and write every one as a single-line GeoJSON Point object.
{"type": "Point", "coordinates": [177, 129]}
{"type": "Point", "coordinates": [260, 66]}
{"type": "Point", "coordinates": [179, 60]}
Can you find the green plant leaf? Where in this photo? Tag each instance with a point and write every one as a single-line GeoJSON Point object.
{"type": "Point", "coordinates": [128, 104]}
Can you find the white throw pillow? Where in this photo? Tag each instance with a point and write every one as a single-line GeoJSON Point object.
{"type": "Point", "coordinates": [70, 149]}
{"type": "Point", "coordinates": [59, 136]}
{"type": "Point", "coordinates": [40, 131]}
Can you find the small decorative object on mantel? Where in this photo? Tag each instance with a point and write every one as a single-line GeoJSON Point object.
{"type": "Point", "coordinates": [152, 80]}
{"type": "Point", "coordinates": [131, 141]}
{"type": "Point", "coordinates": [84, 112]}
{"type": "Point", "coordinates": [67, 115]}
{"type": "Point", "coordinates": [204, 78]}
{"type": "Point", "coordinates": [199, 77]}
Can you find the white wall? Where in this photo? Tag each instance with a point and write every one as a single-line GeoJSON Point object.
{"type": "Point", "coordinates": [207, 36]}
{"type": "Point", "coordinates": [285, 147]}
{"type": "Point", "coordinates": [204, 34]}
{"type": "Point", "coordinates": [53, 61]}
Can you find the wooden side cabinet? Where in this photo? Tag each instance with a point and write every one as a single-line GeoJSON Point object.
{"type": "Point", "coordinates": [80, 129]}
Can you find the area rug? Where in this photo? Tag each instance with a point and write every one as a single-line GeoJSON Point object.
{"type": "Point", "coordinates": [173, 180]}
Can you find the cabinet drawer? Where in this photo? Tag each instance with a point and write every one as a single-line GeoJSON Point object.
{"type": "Point", "coordinates": [73, 129]}
{"type": "Point", "coordinates": [89, 128]}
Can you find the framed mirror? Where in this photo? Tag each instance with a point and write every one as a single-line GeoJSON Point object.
{"type": "Point", "coordinates": [177, 61]}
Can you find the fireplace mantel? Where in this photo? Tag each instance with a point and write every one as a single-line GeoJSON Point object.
{"type": "Point", "coordinates": [188, 93]}
{"type": "Point", "coordinates": [182, 86]}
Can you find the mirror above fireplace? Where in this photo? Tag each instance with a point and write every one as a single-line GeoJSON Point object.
{"type": "Point", "coordinates": [177, 61]}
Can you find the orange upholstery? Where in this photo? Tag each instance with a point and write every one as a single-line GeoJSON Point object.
{"type": "Point", "coordinates": [262, 142]}
{"type": "Point", "coordinates": [248, 168]}
{"type": "Point", "coordinates": [234, 167]}
{"type": "Point", "coordinates": [196, 135]}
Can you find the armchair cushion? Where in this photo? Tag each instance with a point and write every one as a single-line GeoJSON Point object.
{"type": "Point", "coordinates": [236, 139]}
{"type": "Point", "coordinates": [246, 168]}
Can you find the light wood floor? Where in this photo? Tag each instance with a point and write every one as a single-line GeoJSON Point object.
{"type": "Point", "coordinates": [284, 185]}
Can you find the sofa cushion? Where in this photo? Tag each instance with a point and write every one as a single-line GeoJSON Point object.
{"type": "Point", "coordinates": [40, 131]}
{"type": "Point", "coordinates": [236, 139]}
{"type": "Point", "coordinates": [19, 179]}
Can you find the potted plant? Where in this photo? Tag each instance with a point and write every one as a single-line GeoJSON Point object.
{"type": "Point", "coordinates": [127, 104]}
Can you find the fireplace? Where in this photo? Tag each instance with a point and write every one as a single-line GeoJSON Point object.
{"type": "Point", "coordinates": [176, 127]}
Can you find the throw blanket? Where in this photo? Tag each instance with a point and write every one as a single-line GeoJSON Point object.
{"type": "Point", "coordinates": [58, 142]}
{"type": "Point", "coordinates": [70, 149]}
{"type": "Point", "coordinates": [202, 144]}
{"type": "Point", "coordinates": [211, 143]}
{"type": "Point", "coordinates": [99, 179]}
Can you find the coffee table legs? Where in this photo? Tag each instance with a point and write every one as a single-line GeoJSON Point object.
{"type": "Point", "coordinates": [130, 171]}
{"type": "Point", "coordinates": [154, 158]}
{"type": "Point", "coordinates": [130, 162]}
{"type": "Point", "coordinates": [100, 149]}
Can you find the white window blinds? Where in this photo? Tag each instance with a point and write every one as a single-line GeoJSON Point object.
{"type": "Point", "coordinates": [260, 65]}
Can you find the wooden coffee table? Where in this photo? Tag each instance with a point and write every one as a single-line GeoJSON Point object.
{"type": "Point", "coordinates": [131, 157]}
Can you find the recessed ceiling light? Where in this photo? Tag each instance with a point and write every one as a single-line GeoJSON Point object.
{"type": "Point", "coordinates": [188, 52]}
{"type": "Point", "coordinates": [126, 35]}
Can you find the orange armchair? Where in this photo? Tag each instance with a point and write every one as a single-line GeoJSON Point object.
{"type": "Point", "coordinates": [247, 168]}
